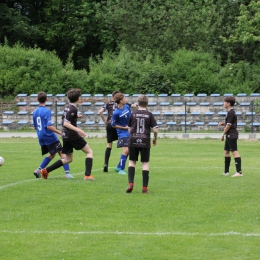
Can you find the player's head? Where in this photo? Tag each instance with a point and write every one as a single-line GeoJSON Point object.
{"type": "Point", "coordinates": [74, 94]}
{"type": "Point", "coordinates": [115, 92]}
{"type": "Point", "coordinates": [231, 100]}
{"type": "Point", "coordinates": [142, 101]}
{"type": "Point", "coordinates": [42, 97]}
{"type": "Point", "coordinates": [118, 97]}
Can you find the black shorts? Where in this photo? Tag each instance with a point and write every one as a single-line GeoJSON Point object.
{"type": "Point", "coordinates": [230, 145]}
{"type": "Point", "coordinates": [134, 152]}
{"type": "Point", "coordinates": [111, 134]}
{"type": "Point", "coordinates": [52, 148]}
{"type": "Point", "coordinates": [77, 144]}
{"type": "Point", "coordinates": [123, 142]}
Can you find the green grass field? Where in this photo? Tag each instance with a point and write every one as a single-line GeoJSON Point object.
{"type": "Point", "coordinates": [191, 212]}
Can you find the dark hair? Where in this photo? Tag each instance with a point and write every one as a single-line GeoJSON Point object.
{"type": "Point", "coordinates": [142, 100]}
{"type": "Point", "coordinates": [74, 94]}
{"type": "Point", "coordinates": [230, 100]}
{"type": "Point", "coordinates": [119, 96]}
{"type": "Point", "coordinates": [42, 97]}
{"type": "Point", "coordinates": [115, 92]}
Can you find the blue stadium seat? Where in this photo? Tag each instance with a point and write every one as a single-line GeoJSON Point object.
{"type": "Point", "coordinates": [183, 123]}
{"type": "Point", "coordinates": [159, 123]}
{"type": "Point", "coordinates": [209, 113]}
{"type": "Point", "coordinates": [215, 95]}
{"type": "Point", "coordinates": [34, 95]}
{"type": "Point", "coordinates": [241, 123]}
{"type": "Point", "coordinates": [255, 124]}
{"type": "Point", "coordinates": [222, 113]}
{"type": "Point", "coordinates": [21, 104]}
{"type": "Point", "coordinates": [181, 113]}
{"type": "Point", "coordinates": [162, 95]}
{"type": "Point", "coordinates": [101, 123]}
{"type": "Point", "coordinates": [199, 123]}
{"type": "Point", "coordinates": [22, 113]}
{"type": "Point", "coordinates": [48, 104]}
{"type": "Point", "coordinates": [204, 103]}
{"type": "Point", "coordinates": [89, 113]}
{"type": "Point", "coordinates": [164, 103]}
{"type": "Point", "coordinates": [136, 95]}
{"type": "Point", "coordinates": [212, 123]}
{"type": "Point", "coordinates": [189, 95]}
{"type": "Point", "coordinates": [86, 103]}
{"type": "Point", "coordinates": [109, 95]}
{"type": "Point", "coordinates": [250, 113]}
{"type": "Point", "coordinates": [241, 95]}
{"type": "Point", "coordinates": [61, 103]}
{"type": "Point", "coordinates": [218, 104]}
{"type": "Point", "coordinates": [191, 104]}
{"type": "Point", "coordinates": [150, 95]}
{"type": "Point", "coordinates": [49, 95]}
{"type": "Point", "coordinates": [7, 122]}
{"type": "Point", "coordinates": [201, 95]}
{"type": "Point", "coordinates": [99, 104]}
{"type": "Point", "coordinates": [177, 103]}
{"type": "Point", "coordinates": [239, 113]}
{"type": "Point", "coordinates": [170, 123]}
{"type": "Point", "coordinates": [79, 122]}
{"type": "Point", "coordinates": [169, 113]}
{"type": "Point", "coordinates": [89, 123]}
{"type": "Point", "coordinates": [152, 103]}
{"type": "Point", "coordinates": [254, 95]}
{"type": "Point", "coordinates": [98, 95]}
{"type": "Point", "coordinates": [60, 113]}
{"type": "Point", "coordinates": [22, 95]}
{"type": "Point", "coordinates": [227, 95]}
{"type": "Point", "coordinates": [195, 113]}
{"type": "Point", "coordinates": [175, 95]}
{"type": "Point", "coordinates": [87, 95]}
{"type": "Point", "coordinates": [244, 104]}
{"type": "Point", "coordinates": [34, 104]}
{"type": "Point", "coordinates": [60, 95]}
{"type": "Point", "coordinates": [22, 122]}
{"type": "Point", "coordinates": [156, 113]}
{"type": "Point", "coordinates": [8, 112]}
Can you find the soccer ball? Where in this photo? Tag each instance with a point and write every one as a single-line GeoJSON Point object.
{"type": "Point", "coordinates": [1, 160]}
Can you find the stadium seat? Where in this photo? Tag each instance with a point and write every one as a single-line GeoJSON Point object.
{"type": "Point", "coordinates": [22, 122]}
{"type": "Point", "coordinates": [189, 95]}
{"type": "Point", "coordinates": [22, 95]}
{"type": "Point", "coordinates": [175, 95]}
{"type": "Point", "coordinates": [89, 123]}
{"type": "Point", "coordinates": [227, 94]}
{"type": "Point", "coordinates": [85, 95]}
{"type": "Point", "coordinates": [255, 124]}
{"type": "Point", "coordinates": [34, 95]}
{"type": "Point", "coordinates": [168, 113]}
{"type": "Point", "coordinates": [89, 113]}
{"type": "Point", "coordinates": [101, 123]}
{"type": "Point", "coordinates": [152, 103]}
{"type": "Point", "coordinates": [209, 113]}
{"type": "Point", "coordinates": [195, 113]}
{"type": "Point", "coordinates": [159, 123]}
{"type": "Point", "coordinates": [164, 103]}
{"type": "Point", "coordinates": [218, 104]}
{"type": "Point", "coordinates": [8, 112]}
{"type": "Point", "coordinates": [243, 104]}
{"type": "Point", "coordinates": [241, 123]}
{"type": "Point", "coordinates": [199, 123]}
{"type": "Point", "coordinates": [98, 95]}
{"type": "Point", "coordinates": [60, 113]}
{"type": "Point", "coordinates": [86, 103]}
{"type": "Point", "coordinates": [7, 122]}
{"type": "Point", "coordinates": [60, 95]}
{"type": "Point", "coordinates": [171, 123]}
{"type": "Point", "coordinates": [241, 95]}
{"type": "Point", "coordinates": [109, 95]}
{"type": "Point", "coordinates": [150, 95]}
{"type": "Point", "coordinates": [156, 113]}
{"type": "Point", "coordinates": [215, 95]}
{"type": "Point", "coordinates": [162, 95]}
{"type": "Point", "coordinates": [250, 113]}
{"type": "Point", "coordinates": [239, 113]}
{"type": "Point", "coordinates": [79, 122]}
{"type": "Point", "coordinates": [191, 104]}
{"type": "Point", "coordinates": [177, 103]}
{"type": "Point", "coordinates": [22, 103]}
{"type": "Point", "coordinates": [99, 103]}
{"type": "Point", "coordinates": [181, 113]}
{"type": "Point", "coordinates": [212, 123]}
{"type": "Point", "coordinates": [34, 104]}
{"type": "Point", "coordinates": [136, 95]}
{"type": "Point", "coordinates": [49, 95]}
{"type": "Point", "coordinates": [183, 123]}
{"type": "Point", "coordinates": [60, 103]}
{"type": "Point", "coordinates": [222, 113]}
{"type": "Point", "coordinates": [201, 95]}
{"type": "Point", "coordinates": [254, 95]}
{"type": "Point", "coordinates": [22, 113]}
{"type": "Point", "coordinates": [204, 103]}
{"type": "Point", "coordinates": [48, 103]}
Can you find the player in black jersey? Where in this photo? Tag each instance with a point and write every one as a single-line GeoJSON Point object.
{"type": "Point", "coordinates": [73, 138]}
{"type": "Point", "coordinates": [140, 124]}
{"type": "Point", "coordinates": [231, 133]}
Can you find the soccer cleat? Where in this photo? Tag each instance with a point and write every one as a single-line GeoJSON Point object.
{"type": "Point", "coordinates": [37, 174]}
{"type": "Point", "coordinates": [226, 173]}
{"type": "Point", "coordinates": [116, 169]}
{"type": "Point", "coordinates": [89, 178]}
{"type": "Point", "coordinates": [237, 174]}
{"type": "Point", "coordinates": [122, 172]}
{"type": "Point", "coordinates": [130, 187]}
{"type": "Point", "coordinates": [44, 173]}
{"type": "Point", "coordinates": [105, 168]}
{"type": "Point", "coordinates": [145, 190]}
{"type": "Point", "coordinates": [69, 176]}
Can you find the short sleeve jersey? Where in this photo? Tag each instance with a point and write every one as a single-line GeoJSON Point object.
{"type": "Point", "coordinates": [110, 107]}
{"type": "Point", "coordinates": [140, 123]}
{"type": "Point", "coordinates": [42, 119]}
{"type": "Point", "coordinates": [121, 118]}
{"type": "Point", "coordinates": [231, 119]}
{"type": "Point", "coordinates": [70, 115]}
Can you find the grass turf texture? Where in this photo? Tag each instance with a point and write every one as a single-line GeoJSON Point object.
{"type": "Point", "coordinates": [191, 212]}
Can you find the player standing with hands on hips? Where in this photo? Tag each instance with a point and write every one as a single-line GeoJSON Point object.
{"type": "Point", "coordinates": [140, 124]}
{"type": "Point", "coordinates": [231, 133]}
{"type": "Point", "coordinates": [72, 137]}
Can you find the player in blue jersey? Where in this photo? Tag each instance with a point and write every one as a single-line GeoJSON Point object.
{"type": "Point", "coordinates": [48, 140]}
{"type": "Point", "coordinates": [120, 122]}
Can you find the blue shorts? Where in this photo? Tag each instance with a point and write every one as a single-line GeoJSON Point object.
{"type": "Point", "coordinates": [122, 142]}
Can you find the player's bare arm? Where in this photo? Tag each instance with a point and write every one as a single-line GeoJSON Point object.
{"type": "Point", "coordinates": [76, 129]}
{"type": "Point", "coordinates": [53, 129]}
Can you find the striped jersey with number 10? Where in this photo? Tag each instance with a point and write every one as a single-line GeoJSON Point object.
{"type": "Point", "coordinates": [140, 123]}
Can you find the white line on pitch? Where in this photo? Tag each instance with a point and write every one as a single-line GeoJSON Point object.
{"type": "Point", "coordinates": [230, 233]}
